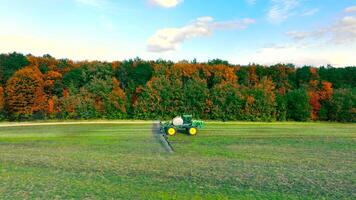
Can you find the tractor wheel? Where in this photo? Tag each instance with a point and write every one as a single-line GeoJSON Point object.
{"type": "Point", "coordinates": [192, 131]}
{"type": "Point", "coordinates": [171, 131]}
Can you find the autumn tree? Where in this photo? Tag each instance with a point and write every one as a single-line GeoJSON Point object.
{"type": "Point", "coordinates": [61, 88]}
{"type": "Point", "coordinates": [53, 83]}
{"type": "Point", "coordinates": [25, 92]}
{"type": "Point", "coordinates": [117, 102]}
{"type": "Point", "coordinates": [218, 74]}
{"type": "Point", "coordinates": [280, 75]}
{"type": "Point", "coordinates": [252, 75]}
{"type": "Point", "coordinates": [319, 94]}
{"type": "Point", "coordinates": [44, 63]}
{"type": "Point", "coordinates": [260, 101]}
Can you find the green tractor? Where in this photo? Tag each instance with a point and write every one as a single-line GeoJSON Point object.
{"type": "Point", "coordinates": [181, 123]}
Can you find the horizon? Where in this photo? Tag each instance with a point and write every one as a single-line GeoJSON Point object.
{"type": "Point", "coordinates": [193, 61]}
{"type": "Point", "coordinates": [300, 32]}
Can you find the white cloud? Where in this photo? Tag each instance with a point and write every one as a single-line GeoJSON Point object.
{"type": "Point", "coordinates": [166, 3]}
{"type": "Point", "coordinates": [300, 55]}
{"type": "Point", "coordinates": [350, 9]}
{"type": "Point", "coordinates": [333, 44]}
{"type": "Point", "coordinates": [342, 31]}
{"type": "Point", "coordinates": [251, 2]}
{"type": "Point", "coordinates": [281, 10]}
{"type": "Point", "coordinates": [95, 3]}
{"type": "Point", "coordinates": [169, 39]}
{"type": "Point", "coordinates": [310, 12]}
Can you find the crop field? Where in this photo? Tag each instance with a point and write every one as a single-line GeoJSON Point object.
{"type": "Point", "coordinates": [236, 160]}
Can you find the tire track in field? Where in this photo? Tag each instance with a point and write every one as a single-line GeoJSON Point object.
{"type": "Point", "coordinates": [161, 138]}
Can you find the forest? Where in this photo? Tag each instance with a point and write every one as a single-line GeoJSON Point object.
{"type": "Point", "coordinates": [35, 88]}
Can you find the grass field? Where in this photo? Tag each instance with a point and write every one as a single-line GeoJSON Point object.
{"type": "Point", "coordinates": [225, 161]}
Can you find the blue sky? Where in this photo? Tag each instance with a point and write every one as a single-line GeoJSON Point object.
{"type": "Point", "coordinates": [314, 32]}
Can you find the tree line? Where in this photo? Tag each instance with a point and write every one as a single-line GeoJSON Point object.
{"type": "Point", "coordinates": [48, 88]}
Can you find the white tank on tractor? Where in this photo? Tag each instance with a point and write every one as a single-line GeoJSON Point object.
{"type": "Point", "coordinates": [177, 121]}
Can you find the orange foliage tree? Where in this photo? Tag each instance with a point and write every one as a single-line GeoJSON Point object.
{"type": "Point", "coordinates": [117, 97]}
{"type": "Point", "coordinates": [25, 92]}
{"type": "Point", "coordinates": [280, 74]}
{"type": "Point", "coordinates": [51, 105]}
{"type": "Point", "coordinates": [50, 77]}
{"type": "Point", "coordinates": [50, 80]}
{"type": "Point", "coordinates": [161, 89]}
{"type": "Point", "coordinates": [252, 75]}
{"type": "Point", "coordinates": [260, 101]}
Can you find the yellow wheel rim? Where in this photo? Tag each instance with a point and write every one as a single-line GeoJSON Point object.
{"type": "Point", "coordinates": [192, 131]}
{"type": "Point", "coordinates": [171, 131]}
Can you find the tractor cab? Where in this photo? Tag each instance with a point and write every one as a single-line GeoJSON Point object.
{"type": "Point", "coordinates": [187, 119]}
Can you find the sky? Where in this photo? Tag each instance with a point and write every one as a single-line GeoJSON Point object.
{"type": "Point", "coordinates": [303, 32]}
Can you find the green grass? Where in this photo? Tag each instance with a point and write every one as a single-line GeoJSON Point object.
{"type": "Point", "coordinates": [225, 161]}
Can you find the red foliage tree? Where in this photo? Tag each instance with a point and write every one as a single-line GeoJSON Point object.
{"type": "Point", "coordinates": [319, 93]}
{"type": "Point", "coordinates": [327, 90]}
{"type": "Point", "coordinates": [314, 101]}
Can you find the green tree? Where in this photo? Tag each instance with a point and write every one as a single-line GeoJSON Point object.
{"type": "Point", "coordinates": [109, 99]}
{"type": "Point", "coordinates": [242, 74]}
{"type": "Point", "coordinates": [162, 97]}
{"type": "Point", "coordinates": [281, 109]}
{"type": "Point", "coordinates": [75, 79]}
{"type": "Point", "coordinates": [134, 73]}
{"type": "Point", "coordinates": [218, 62]}
{"type": "Point", "coordinates": [303, 76]}
{"type": "Point", "coordinates": [195, 95]}
{"type": "Point", "coordinates": [10, 63]}
{"type": "Point", "coordinates": [343, 105]}
{"type": "Point", "coordinates": [298, 107]}
{"type": "Point", "coordinates": [225, 103]}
